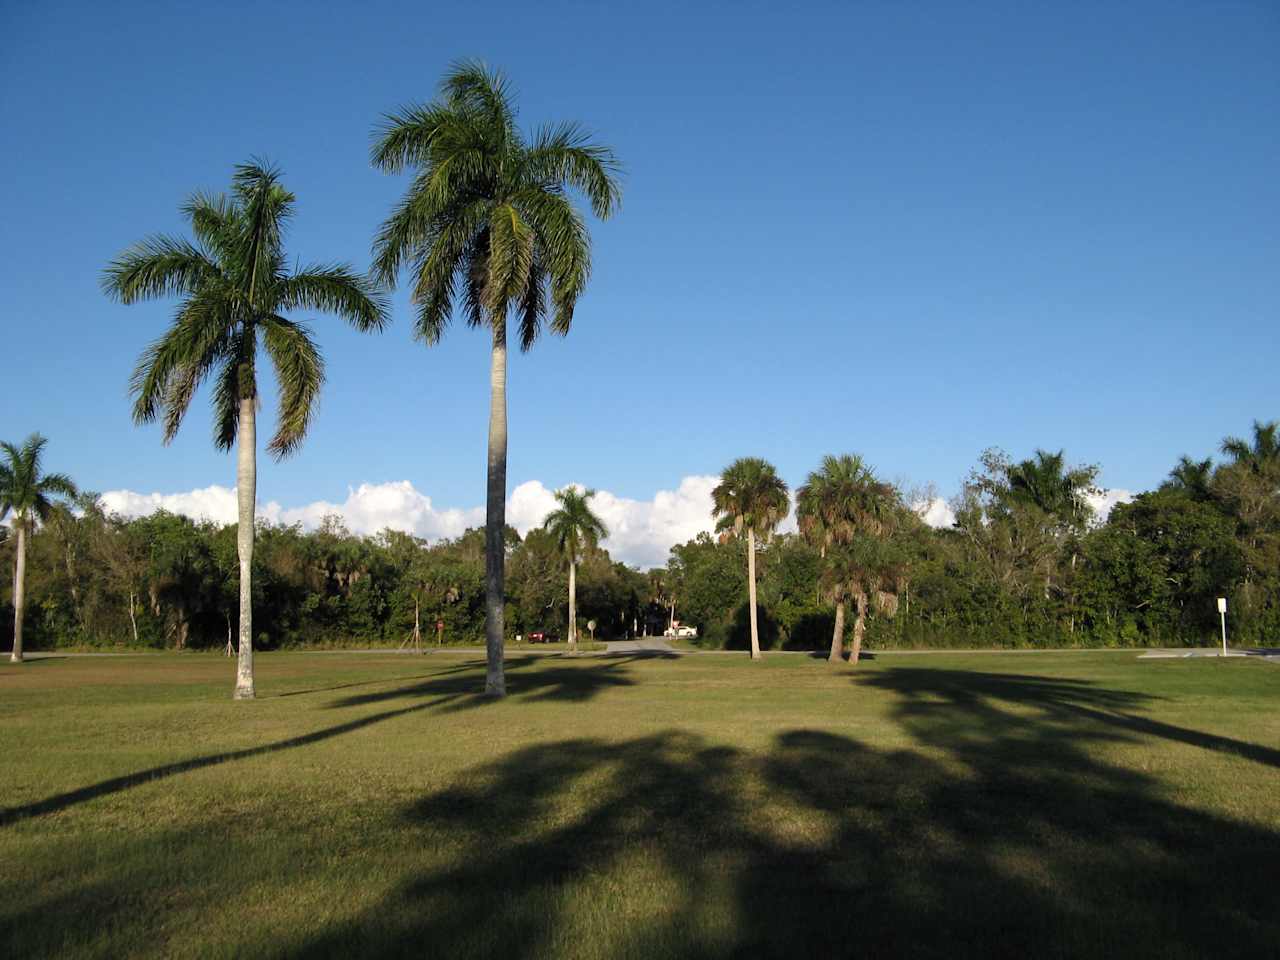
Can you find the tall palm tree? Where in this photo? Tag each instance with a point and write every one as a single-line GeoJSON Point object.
{"type": "Point", "coordinates": [26, 491]}
{"type": "Point", "coordinates": [750, 499]}
{"type": "Point", "coordinates": [575, 528]}
{"type": "Point", "coordinates": [235, 286]}
{"type": "Point", "coordinates": [838, 502]}
{"type": "Point", "coordinates": [487, 224]}
{"type": "Point", "coordinates": [1191, 477]}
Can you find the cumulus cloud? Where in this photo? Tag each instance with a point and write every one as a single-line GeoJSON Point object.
{"type": "Point", "coordinates": [1104, 500]}
{"type": "Point", "coordinates": [936, 512]}
{"type": "Point", "coordinates": [641, 532]}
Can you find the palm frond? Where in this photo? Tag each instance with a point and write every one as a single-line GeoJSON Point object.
{"type": "Point", "coordinates": [564, 153]}
{"type": "Point", "coordinates": [300, 373]}
{"type": "Point", "coordinates": [336, 289]}
{"type": "Point", "coordinates": [159, 266]}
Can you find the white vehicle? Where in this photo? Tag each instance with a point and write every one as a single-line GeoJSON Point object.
{"type": "Point", "coordinates": [681, 631]}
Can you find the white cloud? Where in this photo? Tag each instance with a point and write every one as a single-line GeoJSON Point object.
{"type": "Point", "coordinates": [641, 532]}
{"type": "Point", "coordinates": [1103, 501]}
{"type": "Point", "coordinates": [936, 512]}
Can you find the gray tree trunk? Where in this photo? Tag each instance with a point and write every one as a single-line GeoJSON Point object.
{"type": "Point", "coordinates": [133, 620]}
{"type": "Point", "coordinates": [837, 635]}
{"type": "Point", "coordinates": [246, 497]}
{"type": "Point", "coordinates": [19, 588]}
{"type": "Point", "coordinates": [495, 681]}
{"type": "Point", "coordinates": [573, 606]}
{"type": "Point", "coordinates": [859, 628]}
{"type": "Point", "coordinates": [751, 589]}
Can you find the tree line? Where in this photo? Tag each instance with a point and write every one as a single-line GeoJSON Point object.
{"type": "Point", "coordinates": [1027, 563]}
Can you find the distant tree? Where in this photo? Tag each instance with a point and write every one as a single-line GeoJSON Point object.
{"type": "Point", "coordinates": [236, 286]}
{"type": "Point", "coordinates": [487, 219]}
{"type": "Point", "coordinates": [1260, 453]}
{"type": "Point", "coordinates": [750, 499]}
{"type": "Point", "coordinates": [1045, 481]}
{"type": "Point", "coordinates": [1192, 478]}
{"type": "Point", "coordinates": [839, 502]}
{"type": "Point", "coordinates": [575, 528]}
{"type": "Point", "coordinates": [26, 491]}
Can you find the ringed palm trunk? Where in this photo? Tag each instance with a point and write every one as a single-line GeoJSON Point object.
{"type": "Point", "coordinates": [751, 588]}
{"type": "Point", "coordinates": [837, 635]}
{"type": "Point", "coordinates": [859, 626]}
{"type": "Point", "coordinates": [246, 497]}
{"type": "Point", "coordinates": [495, 683]}
{"type": "Point", "coordinates": [573, 606]}
{"type": "Point", "coordinates": [19, 588]}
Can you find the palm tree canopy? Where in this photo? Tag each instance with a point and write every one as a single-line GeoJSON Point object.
{"type": "Point", "coordinates": [23, 488]}
{"type": "Point", "coordinates": [487, 221]}
{"type": "Point", "coordinates": [750, 496]}
{"type": "Point", "coordinates": [1191, 477]}
{"type": "Point", "coordinates": [234, 284]}
{"type": "Point", "coordinates": [841, 498]}
{"type": "Point", "coordinates": [573, 524]}
{"type": "Point", "coordinates": [1261, 452]}
{"type": "Point", "coordinates": [1048, 483]}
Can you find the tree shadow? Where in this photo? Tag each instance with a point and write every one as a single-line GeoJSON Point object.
{"type": "Point", "coordinates": [932, 701]}
{"type": "Point", "coordinates": [899, 855]}
{"type": "Point", "coordinates": [458, 688]}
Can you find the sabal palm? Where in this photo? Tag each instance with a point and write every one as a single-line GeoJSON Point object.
{"type": "Point", "coordinates": [840, 501]}
{"type": "Point", "coordinates": [575, 528]}
{"type": "Point", "coordinates": [28, 493]}
{"type": "Point", "coordinates": [858, 569]}
{"type": "Point", "coordinates": [751, 500]}
{"type": "Point", "coordinates": [487, 227]}
{"type": "Point", "coordinates": [235, 287]}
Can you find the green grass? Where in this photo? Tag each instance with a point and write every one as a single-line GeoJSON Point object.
{"type": "Point", "coordinates": [1078, 804]}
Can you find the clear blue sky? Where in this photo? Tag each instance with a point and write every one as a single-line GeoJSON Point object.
{"type": "Point", "coordinates": [910, 230]}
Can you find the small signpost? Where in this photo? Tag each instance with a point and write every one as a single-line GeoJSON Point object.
{"type": "Point", "coordinates": [1222, 612]}
{"type": "Point", "coordinates": [591, 625]}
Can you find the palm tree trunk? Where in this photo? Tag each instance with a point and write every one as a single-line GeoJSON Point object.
{"type": "Point", "coordinates": [573, 607]}
{"type": "Point", "coordinates": [859, 627]}
{"type": "Point", "coordinates": [19, 588]}
{"type": "Point", "coordinates": [837, 635]}
{"type": "Point", "coordinates": [495, 682]}
{"type": "Point", "coordinates": [751, 589]}
{"type": "Point", "coordinates": [246, 496]}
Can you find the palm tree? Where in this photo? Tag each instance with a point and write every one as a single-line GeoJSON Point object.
{"type": "Point", "coordinates": [26, 491]}
{"type": "Point", "coordinates": [838, 502]}
{"type": "Point", "coordinates": [487, 223]}
{"type": "Point", "coordinates": [750, 498]}
{"type": "Point", "coordinates": [235, 286]}
{"type": "Point", "coordinates": [1048, 483]}
{"type": "Point", "coordinates": [1256, 455]}
{"type": "Point", "coordinates": [864, 567]}
{"type": "Point", "coordinates": [1191, 477]}
{"type": "Point", "coordinates": [575, 528]}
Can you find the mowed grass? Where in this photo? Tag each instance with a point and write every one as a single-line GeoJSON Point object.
{"type": "Point", "coordinates": [1074, 804]}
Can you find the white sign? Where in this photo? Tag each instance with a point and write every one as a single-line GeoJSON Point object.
{"type": "Point", "coordinates": [1222, 604]}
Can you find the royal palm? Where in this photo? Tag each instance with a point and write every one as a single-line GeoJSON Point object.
{"type": "Point", "coordinates": [26, 492]}
{"type": "Point", "coordinates": [575, 529]}
{"type": "Point", "coordinates": [236, 291]}
{"type": "Point", "coordinates": [488, 231]}
{"type": "Point", "coordinates": [750, 500]}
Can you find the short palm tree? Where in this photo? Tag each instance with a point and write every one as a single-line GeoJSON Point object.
{"type": "Point", "coordinates": [840, 501]}
{"type": "Point", "coordinates": [235, 287]}
{"type": "Point", "coordinates": [750, 500]}
{"type": "Point", "coordinates": [575, 528]}
{"type": "Point", "coordinates": [26, 492]}
{"type": "Point", "coordinates": [487, 224]}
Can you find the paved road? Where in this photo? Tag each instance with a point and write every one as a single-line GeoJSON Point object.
{"type": "Point", "coordinates": [643, 645]}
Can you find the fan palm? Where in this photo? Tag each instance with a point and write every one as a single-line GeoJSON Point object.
{"type": "Point", "coordinates": [487, 225]}
{"type": "Point", "coordinates": [841, 500]}
{"type": "Point", "coordinates": [575, 528]}
{"type": "Point", "coordinates": [750, 499]}
{"type": "Point", "coordinates": [26, 492]}
{"type": "Point", "coordinates": [235, 287]}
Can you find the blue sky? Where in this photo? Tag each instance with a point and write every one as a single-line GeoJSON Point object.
{"type": "Point", "coordinates": [910, 230]}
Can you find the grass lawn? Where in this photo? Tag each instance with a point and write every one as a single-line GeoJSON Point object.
{"type": "Point", "coordinates": [1075, 804]}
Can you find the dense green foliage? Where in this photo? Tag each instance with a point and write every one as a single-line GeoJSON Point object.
{"type": "Point", "coordinates": [166, 581]}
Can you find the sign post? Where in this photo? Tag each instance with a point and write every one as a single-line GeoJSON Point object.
{"type": "Point", "coordinates": [1222, 612]}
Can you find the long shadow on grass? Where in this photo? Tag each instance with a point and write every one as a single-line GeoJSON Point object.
{"type": "Point", "coordinates": [456, 688]}
{"type": "Point", "coordinates": [1004, 837]}
{"type": "Point", "coordinates": [973, 700]}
